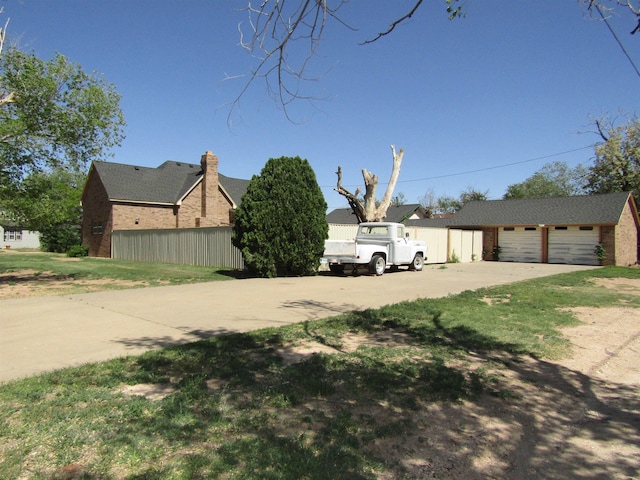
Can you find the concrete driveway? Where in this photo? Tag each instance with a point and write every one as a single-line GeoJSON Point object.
{"type": "Point", "coordinates": [39, 334]}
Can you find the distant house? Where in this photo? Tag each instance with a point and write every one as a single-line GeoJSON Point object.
{"type": "Point", "coordinates": [553, 230]}
{"type": "Point", "coordinates": [14, 235]}
{"type": "Point", "coordinates": [399, 213]}
{"type": "Point", "coordinates": [173, 195]}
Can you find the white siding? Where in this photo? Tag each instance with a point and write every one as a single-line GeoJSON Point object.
{"type": "Point", "coordinates": [572, 245]}
{"type": "Point", "coordinates": [520, 244]}
{"type": "Point", "coordinates": [12, 238]}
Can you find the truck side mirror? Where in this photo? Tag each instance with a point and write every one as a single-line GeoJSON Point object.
{"type": "Point", "coordinates": [406, 234]}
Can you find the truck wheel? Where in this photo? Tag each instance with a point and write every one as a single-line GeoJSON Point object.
{"type": "Point", "coordinates": [336, 268]}
{"type": "Point", "coordinates": [417, 263]}
{"type": "Point", "coordinates": [377, 265]}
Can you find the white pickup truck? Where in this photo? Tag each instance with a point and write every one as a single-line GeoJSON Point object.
{"type": "Point", "coordinates": [376, 246]}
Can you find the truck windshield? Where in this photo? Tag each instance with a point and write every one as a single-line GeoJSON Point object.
{"type": "Point", "coordinates": [374, 230]}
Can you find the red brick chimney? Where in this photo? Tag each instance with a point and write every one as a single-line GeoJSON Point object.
{"type": "Point", "coordinates": [209, 163]}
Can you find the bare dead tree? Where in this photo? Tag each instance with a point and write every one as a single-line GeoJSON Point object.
{"type": "Point", "coordinates": [607, 125]}
{"type": "Point", "coordinates": [367, 210]}
{"type": "Point", "coordinates": [601, 10]}
{"type": "Point", "coordinates": [276, 29]}
{"type": "Point", "coordinates": [275, 26]}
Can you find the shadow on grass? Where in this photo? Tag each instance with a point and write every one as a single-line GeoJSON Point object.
{"type": "Point", "coordinates": [329, 415]}
{"type": "Point", "coordinates": [396, 412]}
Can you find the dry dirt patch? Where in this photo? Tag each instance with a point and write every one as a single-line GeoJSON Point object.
{"type": "Point", "coordinates": [29, 283]}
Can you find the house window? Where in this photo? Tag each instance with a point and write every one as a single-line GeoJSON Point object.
{"type": "Point", "coordinates": [96, 228]}
{"type": "Point", "coordinates": [12, 235]}
{"type": "Point", "coordinates": [586, 228]}
{"type": "Point", "coordinates": [561, 228]}
{"type": "Point", "coordinates": [508, 229]}
{"type": "Point", "coordinates": [530, 229]}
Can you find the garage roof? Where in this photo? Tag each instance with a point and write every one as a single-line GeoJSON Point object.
{"type": "Point", "coordinates": [395, 213]}
{"type": "Point", "coordinates": [603, 209]}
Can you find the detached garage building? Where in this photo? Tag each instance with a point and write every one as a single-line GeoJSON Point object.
{"type": "Point", "coordinates": [556, 230]}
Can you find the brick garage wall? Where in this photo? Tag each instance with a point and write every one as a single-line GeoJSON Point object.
{"type": "Point", "coordinates": [608, 241]}
{"type": "Point", "coordinates": [626, 238]}
{"type": "Point", "coordinates": [489, 240]}
{"type": "Point", "coordinates": [96, 208]}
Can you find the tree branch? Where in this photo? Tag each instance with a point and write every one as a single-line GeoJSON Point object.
{"type": "Point", "coordinates": [395, 172]}
{"type": "Point", "coordinates": [354, 202]}
{"type": "Point", "coordinates": [394, 24]}
{"type": "Point", "coordinates": [601, 130]}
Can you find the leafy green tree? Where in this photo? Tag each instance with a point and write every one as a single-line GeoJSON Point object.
{"type": "Point", "coordinates": [448, 204]}
{"type": "Point", "coordinates": [281, 224]}
{"type": "Point", "coordinates": [473, 195]}
{"type": "Point", "coordinates": [49, 202]}
{"type": "Point", "coordinates": [554, 179]}
{"type": "Point", "coordinates": [616, 167]}
{"type": "Point", "coordinates": [52, 114]}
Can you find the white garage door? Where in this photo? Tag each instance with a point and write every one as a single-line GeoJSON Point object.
{"type": "Point", "coordinates": [520, 244]}
{"type": "Point", "coordinates": [573, 245]}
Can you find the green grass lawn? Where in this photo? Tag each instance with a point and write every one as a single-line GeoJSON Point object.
{"type": "Point", "coordinates": [239, 410]}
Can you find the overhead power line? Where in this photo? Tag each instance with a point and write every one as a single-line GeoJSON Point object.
{"type": "Point", "coordinates": [466, 172]}
{"type": "Point", "coordinates": [624, 50]}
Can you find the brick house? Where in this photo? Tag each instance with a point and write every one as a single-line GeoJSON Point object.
{"type": "Point", "coordinates": [554, 230]}
{"type": "Point", "coordinates": [173, 195]}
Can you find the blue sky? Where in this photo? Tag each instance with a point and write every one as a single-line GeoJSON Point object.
{"type": "Point", "coordinates": [482, 102]}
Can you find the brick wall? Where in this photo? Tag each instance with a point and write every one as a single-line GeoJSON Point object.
{"type": "Point", "coordinates": [96, 209]}
{"type": "Point", "coordinates": [608, 241]}
{"type": "Point", "coordinates": [142, 217]}
{"type": "Point", "coordinates": [626, 238]}
{"type": "Point", "coordinates": [489, 240]}
{"type": "Point", "coordinates": [190, 209]}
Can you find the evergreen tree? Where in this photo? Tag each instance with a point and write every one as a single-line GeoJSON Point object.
{"type": "Point", "coordinates": [281, 224]}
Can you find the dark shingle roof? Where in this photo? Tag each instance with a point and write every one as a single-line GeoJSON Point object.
{"type": "Point", "coordinates": [235, 187]}
{"type": "Point", "coordinates": [431, 222]}
{"type": "Point", "coordinates": [400, 213]}
{"type": "Point", "coordinates": [579, 210]}
{"type": "Point", "coordinates": [166, 184]}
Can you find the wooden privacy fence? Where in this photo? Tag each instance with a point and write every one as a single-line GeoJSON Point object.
{"type": "Point", "coordinates": [210, 247]}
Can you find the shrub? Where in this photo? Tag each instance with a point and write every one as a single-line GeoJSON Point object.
{"type": "Point", "coordinates": [281, 223]}
{"type": "Point", "coordinates": [78, 251]}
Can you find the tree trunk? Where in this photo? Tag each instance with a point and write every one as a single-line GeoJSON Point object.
{"type": "Point", "coordinates": [369, 211]}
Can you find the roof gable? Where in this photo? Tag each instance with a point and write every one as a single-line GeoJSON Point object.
{"type": "Point", "coordinates": [577, 210]}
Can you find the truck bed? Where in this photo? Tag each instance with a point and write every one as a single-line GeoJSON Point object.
{"type": "Point", "coordinates": [336, 248]}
